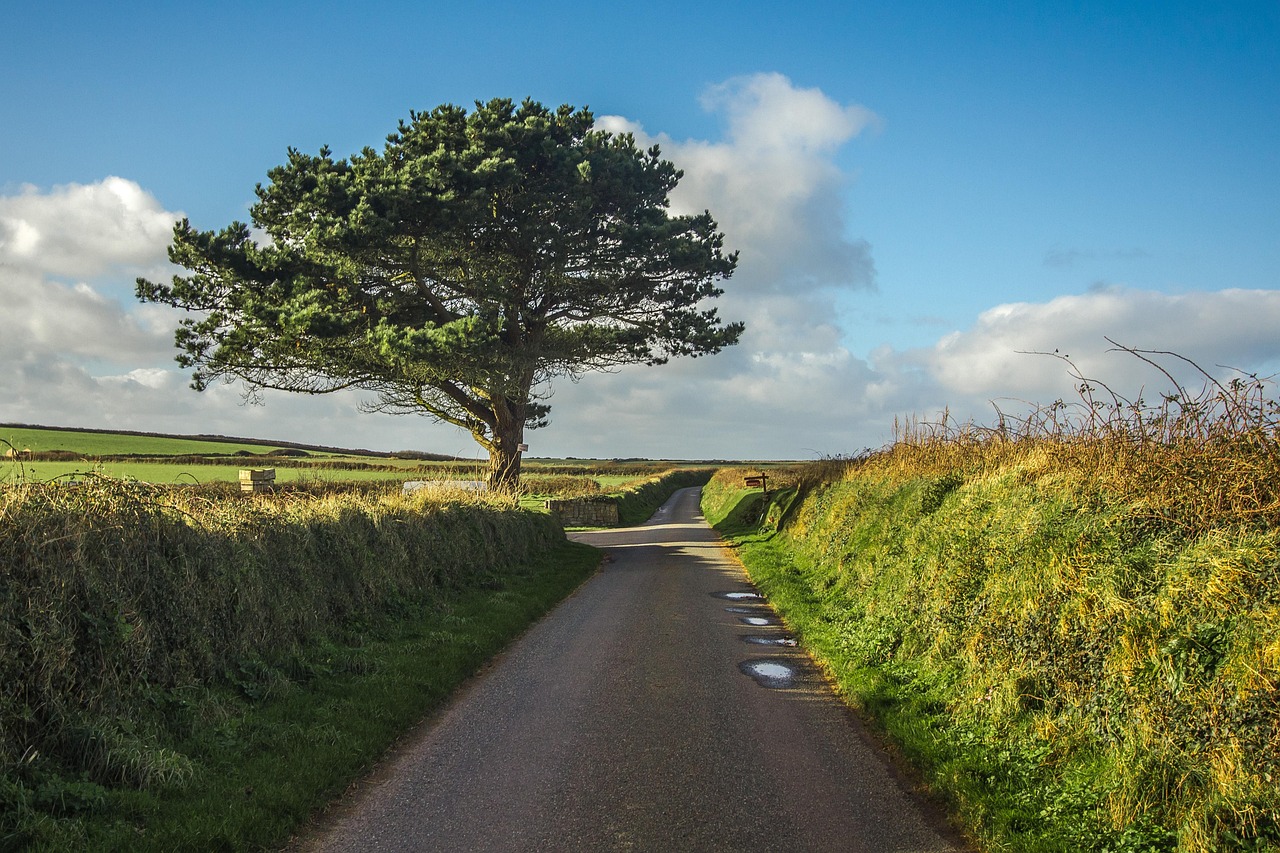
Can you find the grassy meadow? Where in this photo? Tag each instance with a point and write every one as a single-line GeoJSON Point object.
{"type": "Point", "coordinates": [100, 443]}
{"type": "Point", "coordinates": [61, 455]}
{"type": "Point", "coordinates": [1070, 627]}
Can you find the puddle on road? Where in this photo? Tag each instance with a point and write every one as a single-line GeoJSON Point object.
{"type": "Point", "coordinates": [769, 641]}
{"type": "Point", "coordinates": [740, 596]}
{"type": "Point", "coordinates": [742, 609]}
{"type": "Point", "coordinates": [755, 620]}
{"type": "Point", "coordinates": [769, 673]}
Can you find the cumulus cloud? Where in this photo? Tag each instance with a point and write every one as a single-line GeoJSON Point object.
{"type": "Point", "coordinates": [63, 334]}
{"type": "Point", "coordinates": [1221, 331]}
{"type": "Point", "coordinates": [60, 253]}
{"type": "Point", "coordinates": [83, 230]}
{"type": "Point", "coordinates": [792, 389]}
{"type": "Point", "coordinates": [774, 186]}
{"type": "Point", "coordinates": [772, 183]}
{"type": "Point", "coordinates": [47, 319]}
{"type": "Point", "coordinates": [77, 350]}
{"type": "Point", "coordinates": [813, 397]}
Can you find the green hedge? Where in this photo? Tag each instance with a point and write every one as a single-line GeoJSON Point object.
{"type": "Point", "coordinates": [638, 501]}
{"type": "Point", "coordinates": [116, 598]}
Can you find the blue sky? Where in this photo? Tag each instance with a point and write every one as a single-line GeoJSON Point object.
{"type": "Point", "coordinates": [921, 192]}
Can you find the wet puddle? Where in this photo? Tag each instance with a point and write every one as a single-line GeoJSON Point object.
{"type": "Point", "coordinates": [742, 609]}
{"type": "Point", "coordinates": [769, 641]}
{"type": "Point", "coordinates": [755, 620]}
{"type": "Point", "coordinates": [740, 596]}
{"type": "Point", "coordinates": [769, 673]}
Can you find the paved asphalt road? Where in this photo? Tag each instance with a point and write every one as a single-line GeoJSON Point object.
{"type": "Point", "coordinates": [658, 708]}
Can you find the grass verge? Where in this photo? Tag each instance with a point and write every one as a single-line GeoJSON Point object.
{"type": "Point", "coordinates": [1069, 621]}
{"type": "Point", "coordinates": [1065, 673]}
{"type": "Point", "coordinates": [638, 501]}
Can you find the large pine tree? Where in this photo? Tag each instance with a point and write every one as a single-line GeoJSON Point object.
{"type": "Point", "coordinates": [454, 273]}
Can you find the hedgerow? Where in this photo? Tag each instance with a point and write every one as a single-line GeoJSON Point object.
{"type": "Point", "coordinates": [638, 501]}
{"type": "Point", "coordinates": [122, 606]}
{"type": "Point", "coordinates": [1072, 627]}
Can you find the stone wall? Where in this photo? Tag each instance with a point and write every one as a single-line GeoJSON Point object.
{"type": "Point", "coordinates": [585, 513]}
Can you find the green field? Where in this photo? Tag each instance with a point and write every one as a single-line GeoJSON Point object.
{"type": "Point", "coordinates": [191, 460]}
{"type": "Point", "coordinates": [169, 472]}
{"type": "Point", "coordinates": [174, 472]}
{"type": "Point", "coordinates": [115, 444]}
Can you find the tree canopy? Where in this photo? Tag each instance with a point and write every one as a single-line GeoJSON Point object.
{"type": "Point", "coordinates": [454, 273]}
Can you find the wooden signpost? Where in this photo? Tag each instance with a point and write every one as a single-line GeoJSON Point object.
{"type": "Point", "coordinates": [757, 481]}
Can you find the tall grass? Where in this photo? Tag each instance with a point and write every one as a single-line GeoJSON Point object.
{"type": "Point", "coordinates": [1071, 621]}
{"type": "Point", "coordinates": [1194, 458]}
{"type": "Point", "coordinates": [121, 603]}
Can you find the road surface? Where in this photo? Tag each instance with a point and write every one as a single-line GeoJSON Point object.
{"type": "Point", "coordinates": [659, 708]}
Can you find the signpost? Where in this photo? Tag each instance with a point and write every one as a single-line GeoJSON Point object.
{"type": "Point", "coordinates": [757, 481]}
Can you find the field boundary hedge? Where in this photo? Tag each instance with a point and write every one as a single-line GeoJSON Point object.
{"type": "Point", "coordinates": [123, 606]}
{"type": "Point", "coordinates": [638, 501]}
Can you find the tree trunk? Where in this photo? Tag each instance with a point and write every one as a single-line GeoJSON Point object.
{"type": "Point", "coordinates": [504, 455]}
{"type": "Point", "coordinates": [504, 470]}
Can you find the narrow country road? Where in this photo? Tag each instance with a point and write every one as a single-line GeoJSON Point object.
{"type": "Point", "coordinates": [659, 709]}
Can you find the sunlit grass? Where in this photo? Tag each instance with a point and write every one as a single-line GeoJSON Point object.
{"type": "Point", "coordinates": [137, 621]}
{"type": "Point", "coordinates": [1070, 624]}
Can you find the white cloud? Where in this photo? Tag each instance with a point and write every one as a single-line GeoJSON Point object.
{"type": "Point", "coordinates": [768, 114]}
{"type": "Point", "coordinates": [83, 230]}
{"type": "Point", "coordinates": [790, 388]}
{"type": "Point", "coordinates": [52, 245]}
{"type": "Point", "coordinates": [46, 319]}
{"type": "Point", "coordinates": [1222, 332]}
{"type": "Point", "coordinates": [76, 354]}
{"type": "Point", "coordinates": [772, 184]}
{"type": "Point", "coordinates": [814, 398]}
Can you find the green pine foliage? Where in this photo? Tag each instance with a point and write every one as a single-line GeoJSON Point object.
{"type": "Point", "coordinates": [478, 256]}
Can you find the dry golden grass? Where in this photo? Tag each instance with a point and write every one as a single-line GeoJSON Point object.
{"type": "Point", "coordinates": [1196, 459]}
